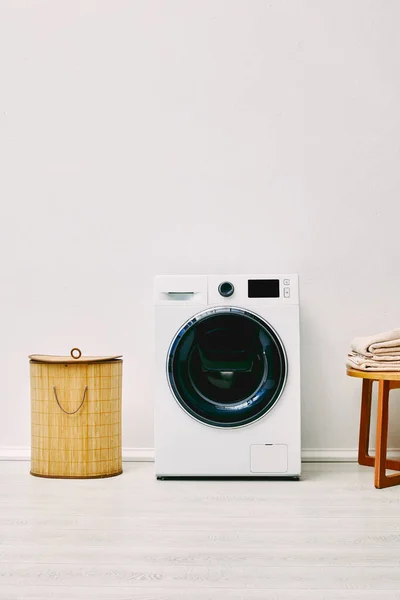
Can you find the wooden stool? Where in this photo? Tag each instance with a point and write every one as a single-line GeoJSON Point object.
{"type": "Point", "coordinates": [387, 381]}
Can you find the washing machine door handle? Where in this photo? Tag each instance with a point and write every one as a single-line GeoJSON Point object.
{"type": "Point", "coordinates": [242, 362]}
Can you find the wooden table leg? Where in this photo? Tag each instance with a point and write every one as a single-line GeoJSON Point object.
{"type": "Point", "coordinates": [381, 463]}
{"type": "Point", "coordinates": [365, 422]}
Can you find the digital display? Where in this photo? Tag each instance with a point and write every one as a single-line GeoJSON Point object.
{"type": "Point", "coordinates": [263, 288]}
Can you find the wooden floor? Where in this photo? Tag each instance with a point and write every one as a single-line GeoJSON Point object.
{"type": "Point", "coordinates": [330, 536]}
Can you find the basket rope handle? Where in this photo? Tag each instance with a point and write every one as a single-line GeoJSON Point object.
{"type": "Point", "coordinates": [63, 409]}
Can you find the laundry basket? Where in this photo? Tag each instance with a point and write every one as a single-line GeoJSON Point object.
{"type": "Point", "coordinates": [76, 415]}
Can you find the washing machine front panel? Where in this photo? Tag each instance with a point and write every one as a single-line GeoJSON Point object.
{"type": "Point", "coordinates": [227, 367]}
{"type": "Point", "coordinates": [185, 445]}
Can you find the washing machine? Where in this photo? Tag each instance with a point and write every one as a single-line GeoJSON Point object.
{"type": "Point", "coordinates": [227, 376]}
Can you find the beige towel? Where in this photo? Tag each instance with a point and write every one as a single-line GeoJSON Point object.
{"type": "Point", "coordinates": [364, 363]}
{"type": "Point", "coordinates": [387, 342]}
{"type": "Point", "coordinates": [394, 357]}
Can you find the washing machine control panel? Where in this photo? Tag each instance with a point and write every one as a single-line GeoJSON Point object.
{"type": "Point", "coordinates": [227, 289]}
{"type": "Point", "coordinates": [257, 289]}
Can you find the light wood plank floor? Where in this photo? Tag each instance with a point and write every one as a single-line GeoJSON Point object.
{"type": "Point", "coordinates": [329, 536]}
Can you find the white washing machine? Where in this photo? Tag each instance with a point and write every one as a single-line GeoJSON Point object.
{"type": "Point", "coordinates": [227, 376]}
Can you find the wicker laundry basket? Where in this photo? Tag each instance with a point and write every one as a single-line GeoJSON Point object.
{"type": "Point", "coordinates": [76, 415]}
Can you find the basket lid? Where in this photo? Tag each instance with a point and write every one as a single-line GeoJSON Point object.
{"type": "Point", "coordinates": [74, 357]}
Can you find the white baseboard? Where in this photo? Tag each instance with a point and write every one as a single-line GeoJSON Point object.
{"type": "Point", "coordinates": [329, 455]}
{"type": "Point", "coordinates": [147, 454]}
{"type": "Point", "coordinates": [128, 454]}
{"type": "Point", "coordinates": [15, 453]}
{"type": "Point", "coordinates": [138, 454]}
{"type": "Point", "coordinates": [339, 454]}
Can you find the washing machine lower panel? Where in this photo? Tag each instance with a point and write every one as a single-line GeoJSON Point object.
{"type": "Point", "coordinates": [267, 447]}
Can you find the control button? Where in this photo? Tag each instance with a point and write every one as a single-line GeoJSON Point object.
{"type": "Point", "coordinates": [286, 292]}
{"type": "Point", "coordinates": [286, 282]}
{"type": "Point", "coordinates": [226, 289]}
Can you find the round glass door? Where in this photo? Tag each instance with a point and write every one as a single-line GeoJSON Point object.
{"type": "Point", "coordinates": [227, 367]}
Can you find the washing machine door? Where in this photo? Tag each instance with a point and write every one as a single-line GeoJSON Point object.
{"type": "Point", "coordinates": [227, 367]}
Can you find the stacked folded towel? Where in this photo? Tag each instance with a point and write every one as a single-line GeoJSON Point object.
{"type": "Point", "coordinates": [379, 352]}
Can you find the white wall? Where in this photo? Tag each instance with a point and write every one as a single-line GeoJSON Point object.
{"type": "Point", "coordinates": [142, 137]}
